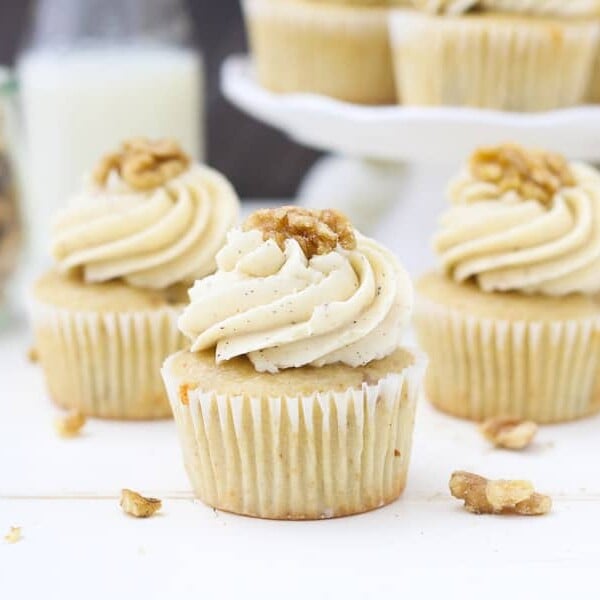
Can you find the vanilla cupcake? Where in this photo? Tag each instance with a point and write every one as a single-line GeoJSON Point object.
{"type": "Point", "coordinates": [511, 323]}
{"type": "Point", "coordinates": [338, 48]}
{"type": "Point", "coordinates": [145, 226]}
{"type": "Point", "coordinates": [297, 400]}
{"type": "Point", "coordinates": [516, 56]}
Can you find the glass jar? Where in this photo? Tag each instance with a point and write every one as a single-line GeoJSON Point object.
{"type": "Point", "coordinates": [10, 231]}
{"type": "Point", "coordinates": [92, 74]}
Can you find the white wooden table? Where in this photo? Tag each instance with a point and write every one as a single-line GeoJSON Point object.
{"type": "Point", "coordinates": [77, 542]}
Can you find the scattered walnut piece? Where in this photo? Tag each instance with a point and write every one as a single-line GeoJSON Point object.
{"type": "Point", "coordinates": [143, 164]}
{"type": "Point", "coordinates": [32, 355]}
{"type": "Point", "coordinates": [136, 505]}
{"type": "Point", "coordinates": [506, 432]}
{"type": "Point", "coordinates": [534, 174]}
{"type": "Point", "coordinates": [316, 231]}
{"type": "Point", "coordinates": [484, 496]}
{"type": "Point", "coordinates": [70, 424]}
{"type": "Point", "coordinates": [14, 535]}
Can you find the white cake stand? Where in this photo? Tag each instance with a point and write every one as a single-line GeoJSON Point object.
{"type": "Point", "coordinates": [382, 155]}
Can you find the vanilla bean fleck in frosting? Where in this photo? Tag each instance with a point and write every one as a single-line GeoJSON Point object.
{"type": "Point", "coordinates": [523, 220]}
{"type": "Point", "coordinates": [292, 297]}
{"type": "Point", "coordinates": [147, 216]}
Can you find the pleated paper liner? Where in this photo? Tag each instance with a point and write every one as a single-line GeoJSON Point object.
{"type": "Point", "coordinates": [107, 364]}
{"type": "Point", "coordinates": [331, 49]}
{"type": "Point", "coordinates": [305, 456]}
{"type": "Point", "coordinates": [492, 61]}
{"type": "Point", "coordinates": [546, 371]}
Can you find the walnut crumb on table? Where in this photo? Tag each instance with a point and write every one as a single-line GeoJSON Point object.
{"type": "Point", "coordinates": [69, 425]}
{"type": "Point", "coordinates": [14, 535]}
{"type": "Point", "coordinates": [136, 505]}
{"type": "Point", "coordinates": [509, 433]}
{"type": "Point", "coordinates": [485, 496]}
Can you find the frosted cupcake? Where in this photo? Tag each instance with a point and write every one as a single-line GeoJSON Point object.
{"type": "Point", "coordinates": [144, 227]}
{"type": "Point", "coordinates": [338, 48]}
{"type": "Point", "coordinates": [511, 323]}
{"type": "Point", "coordinates": [296, 400]}
{"type": "Point", "coordinates": [506, 55]}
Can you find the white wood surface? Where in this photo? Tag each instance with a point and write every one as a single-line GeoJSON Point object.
{"type": "Point", "coordinates": [77, 543]}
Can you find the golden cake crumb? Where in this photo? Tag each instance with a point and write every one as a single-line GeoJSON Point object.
{"type": "Point", "coordinates": [533, 174]}
{"type": "Point", "coordinates": [316, 231]}
{"type": "Point", "coordinates": [136, 505]}
{"type": "Point", "coordinates": [70, 424]}
{"type": "Point", "coordinates": [510, 433]}
{"type": "Point", "coordinates": [143, 164]}
{"type": "Point", "coordinates": [14, 535]}
{"type": "Point", "coordinates": [484, 496]}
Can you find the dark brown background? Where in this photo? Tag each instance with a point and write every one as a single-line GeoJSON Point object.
{"type": "Point", "coordinates": [260, 161]}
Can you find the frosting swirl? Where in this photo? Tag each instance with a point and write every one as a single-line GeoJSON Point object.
{"type": "Point", "coordinates": [283, 309]}
{"type": "Point", "coordinates": [571, 8]}
{"type": "Point", "coordinates": [150, 238]}
{"type": "Point", "coordinates": [507, 240]}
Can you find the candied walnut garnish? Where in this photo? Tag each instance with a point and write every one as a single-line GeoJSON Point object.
{"type": "Point", "coordinates": [533, 174]}
{"type": "Point", "coordinates": [143, 164]}
{"type": "Point", "coordinates": [506, 432]}
{"type": "Point", "coordinates": [136, 505]}
{"type": "Point", "coordinates": [484, 496]}
{"type": "Point", "coordinates": [70, 424]}
{"type": "Point", "coordinates": [316, 231]}
{"type": "Point", "coordinates": [14, 535]}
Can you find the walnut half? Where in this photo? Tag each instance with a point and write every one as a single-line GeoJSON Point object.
{"type": "Point", "coordinates": [533, 174]}
{"type": "Point", "coordinates": [316, 231]}
{"type": "Point", "coordinates": [143, 164]}
{"type": "Point", "coordinates": [506, 432]}
{"type": "Point", "coordinates": [484, 496]}
{"type": "Point", "coordinates": [136, 505]}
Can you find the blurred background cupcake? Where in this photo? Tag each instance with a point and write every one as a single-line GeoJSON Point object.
{"type": "Point", "coordinates": [338, 48]}
{"type": "Point", "coordinates": [501, 55]}
{"type": "Point", "coordinates": [511, 322]}
{"type": "Point", "coordinates": [297, 399]}
{"type": "Point", "coordinates": [145, 226]}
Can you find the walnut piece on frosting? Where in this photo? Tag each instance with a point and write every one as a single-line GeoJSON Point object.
{"type": "Point", "coordinates": [533, 174]}
{"type": "Point", "coordinates": [143, 164]}
{"type": "Point", "coordinates": [506, 432]}
{"type": "Point", "coordinates": [136, 505]}
{"type": "Point", "coordinates": [316, 231]}
{"type": "Point", "coordinates": [484, 496]}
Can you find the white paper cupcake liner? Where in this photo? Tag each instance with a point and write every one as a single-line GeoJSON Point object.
{"type": "Point", "coordinates": [107, 364]}
{"type": "Point", "coordinates": [304, 457]}
{"type": "Point", "coordinates": [336, 50]}
{"type": "Point", "coordinates": [480, 367]}
{"type": "Point", "coordinates": [516, 63]}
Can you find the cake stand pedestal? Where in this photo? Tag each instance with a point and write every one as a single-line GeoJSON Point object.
{"type": "Point", "coordinates": [389, 165]}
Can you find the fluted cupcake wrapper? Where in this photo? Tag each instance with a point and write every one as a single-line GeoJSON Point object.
{"type": "Point", "coordinates": [335, 50]}
{"type": "Point", "coordinates": [304, 457]}
{"type": "Point", "coordinates": [482, 367]}
{"type": "Point", "coordinates": [523, 64]}
{"type": "Point", "coordinates": [107, 364]}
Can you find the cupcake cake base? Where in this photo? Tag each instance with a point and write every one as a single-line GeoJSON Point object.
{"type": "Point", "coordinates": [306, 443]}
{"type": "Point", "coordinates": [101, 346]}
{"type": "Point", "coordinates": [508, 354]}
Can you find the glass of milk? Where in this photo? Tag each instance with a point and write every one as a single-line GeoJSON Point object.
{"type": "Point", "coordinates": [92, 74]}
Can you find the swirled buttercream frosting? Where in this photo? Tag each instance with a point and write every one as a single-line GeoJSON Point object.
{"type": "Point", "coordinates": [298, 287]}
{"type": "Point", "coordinates": [523, 220]}
{"type": "Point", "coordinates": [558, 8]}
{"type": "Point", "coordinates": [147, 216]}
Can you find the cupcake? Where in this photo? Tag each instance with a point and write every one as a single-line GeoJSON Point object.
{"type": "Point", "coordinates": [296, 399]}
{"type": "Point", "coordinates": [338, 48]}
{"type": "Point", "coordinates": [512, 61]}
{"type": "Point", "coordinates": [511, 322]}
{"type": "Point", "coordinates": [145, 226]}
